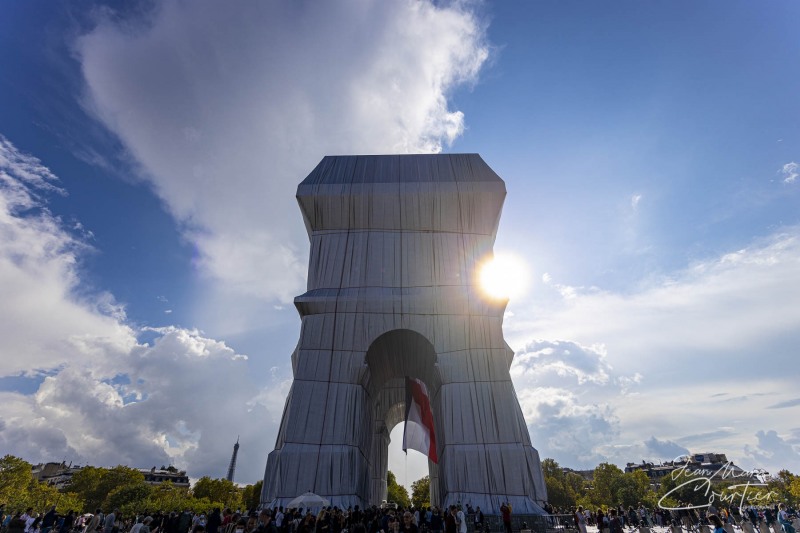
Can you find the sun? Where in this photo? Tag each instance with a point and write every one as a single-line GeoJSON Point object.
{"type": "Point", "coordinates": [503, 276]}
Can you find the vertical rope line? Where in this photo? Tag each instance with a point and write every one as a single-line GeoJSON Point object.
{"type": "Point", "coordinates": [335, 320]}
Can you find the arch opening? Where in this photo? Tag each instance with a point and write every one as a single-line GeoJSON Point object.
{"type": "Point", "coordinates": [390, 358]}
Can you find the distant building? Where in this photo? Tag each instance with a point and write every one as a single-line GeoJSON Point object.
{"type": "Point", "coordinates": [58, 475]}
{"type": "Point", "coordinates": [588, 475]}
{"type": "Point", "coordinates": [156, 476]}
{"type": "Point", "coordinates": [714, 466]}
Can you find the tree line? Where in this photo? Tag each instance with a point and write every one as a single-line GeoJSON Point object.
{"type": "Point", "coordinates": [125, 489]}
{"type": "Point", "coordinates": [120, 487]}
{"type": "Point", "coordinates": [610, 486]}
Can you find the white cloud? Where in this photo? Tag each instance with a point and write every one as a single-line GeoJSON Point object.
{"type": "Point", "coordinates": [106, 398]}
{"type": "Point", "coordinates": [541, 359]}
{"type": "Point", "coordinates": [184, 399]}
{"type": "Point", "coordinates": [42, 321]}
{"type": "Point", "coordinates": [773, 449]}
{"type": "Point", "coordinates": [566, 393]}
{"type": "Point", "coordinates": [664, 449]}
{"type": "Point", "coordinates": [566, 428]}
{"type": "Point", "coordinates": [735, 304]}
{"type": "Point", "coordinates": [635, 199]}
{"type": "Point", "coordinates": [789, 171]}
{"type": "Point", "coordinates": [226, 110]}
{"type": "Point", "coordinates": [700, 358]}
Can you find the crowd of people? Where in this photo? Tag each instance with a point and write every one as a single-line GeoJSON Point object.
{"type": "Point", "coordinates": [453, 519]}
{"type": "Point", "coordinates": [279, 520]}
{"type": "Point", "coordinates": [615, 520]}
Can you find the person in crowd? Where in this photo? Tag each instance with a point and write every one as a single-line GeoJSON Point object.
{"type": "Point", "coordinates": [49, 520]}
{"type": "Point", "coordinates": [408, 525]}
{"type": "Point", "coordinates": [633, 517]}
{"type": "Point", "coordinates": [436, 522]}
{"type": "Point", "coordinates": [716, 523]}
{"type": "Point", "coordinates": [505, 511]}
{"type": "Point", "coordinates": [137, 526]}
{"type": "Point", "coordinates": [580, 519]}
{"type": "Point", "coordinates": [602, 521]}
{"type": "Point", "coordinates": [614, 523]}
{"type": "Point", "coordinates": [16, 524]}
{"type": "Point", "coordinates": [752, 515]}
{"type": "Point", "coordinates": [214, 520]}
{"type": "Point", "coordinates": [109, 522]}
{"type": "Point", "coordinates": [265, 523]}
{"type": "Point", "coordinates": [94, 522]}
{"type": "Point", "coordinates": [450, 524]}
{"type": "Point", "coordinates": [785, 519]}
{"type": "Point", "coordinates": [478, 519]}
{"type": "Point", "coordinates": [29, 522]}
{"type": "Point", "coordinates": [68, 522]}
{"type": "Point", "coordinates": [461, 520]}
{"type": "Point", "coordinates": [240, 525]}
{"type": "Point", "coordinates": [306, 524]}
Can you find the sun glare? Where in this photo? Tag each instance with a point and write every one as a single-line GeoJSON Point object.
{"type": "Point", "coordinates": [503, 276]}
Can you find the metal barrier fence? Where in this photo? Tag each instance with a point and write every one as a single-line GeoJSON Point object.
{"type": "Point", "coordinates": [554, 523]}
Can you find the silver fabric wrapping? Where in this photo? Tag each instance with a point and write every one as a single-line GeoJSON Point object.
{"type": "Point", "coordinates": [392, 291]}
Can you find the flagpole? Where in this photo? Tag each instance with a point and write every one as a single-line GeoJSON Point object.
{"type": "Point", "coordinates": [406, 474]}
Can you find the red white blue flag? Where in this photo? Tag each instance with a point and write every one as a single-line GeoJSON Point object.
{"type": "Point", "coordinates": [418, 433]}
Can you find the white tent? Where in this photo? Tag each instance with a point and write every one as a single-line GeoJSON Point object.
{"type": "Point", "coordinates": [309, 500]}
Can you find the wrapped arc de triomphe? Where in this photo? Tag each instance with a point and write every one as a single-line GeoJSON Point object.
{"type": "Point", "coordinates": [392, 292]}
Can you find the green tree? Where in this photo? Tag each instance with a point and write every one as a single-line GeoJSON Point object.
{"type": "Point", "coordinates": [576, 483]}
{"type": "Point", "coordinates": [218, 491]}
{"type": "Point", "coordinates": [421, 492]}
{"type": "Point", "coordinates": [678, 487]}
{"type": "Point", "coordinates": [781, 484]}
{"type": "Point", "coordinates": [563, 489]}
{"type": "Point", "coordinates": [20, 490]}
{"type": "Point", "coordinates": [94, 485]}
{"type": "Point", "coordinates": [606, 483]}
{"type": "Point", "coordinates": [251, 495]}
{"type": "Point", "coordinates": [634, 488]}
{"type": "Point", "coordinates": [132, 498]}
{"type": "Point", "coordinates": [15, 478]}
{"type": "Point", "coordinates": [396, 493]}
{"type": "Point", "coordinates": [167, 497]}
{"type": "Point", "coordinates": [794, 491]}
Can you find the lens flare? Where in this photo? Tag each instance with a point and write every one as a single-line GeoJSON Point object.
{"type": "Point", "coordinates": [503, 276]}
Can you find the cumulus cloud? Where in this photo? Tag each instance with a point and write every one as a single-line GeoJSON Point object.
{"type": "Point", "coordinates": [680, 351]}
{"type": "Point", "coordinates": [566, 392]}
{"type": "Point", "coordinates": [543, 360]}
{"type": "Point", "coordinates": [664, 449]}
{"type": "Point", "coordinates": [789, 172]}
{"type": "Point", "coordinates": [773, 448]}
{"type": "Point", "coordinates": [106, 397]}
{"type": "Point", "coordinates": [42, 321]}
{"type": "Point", "coordinates": [734, 304]}
{"type": "Point", "coordinates": [226, 110]}
{"type": "Point", "coordinates": [567, 428]}
{"type": "Point", "coordinates": [157, 404]}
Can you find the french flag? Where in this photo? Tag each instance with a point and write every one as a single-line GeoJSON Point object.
{"type": "Point", "coordinates": [418, 433]}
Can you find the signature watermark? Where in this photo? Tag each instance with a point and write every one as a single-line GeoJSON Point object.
{"type": "Point", "coordinates": [701, 479]}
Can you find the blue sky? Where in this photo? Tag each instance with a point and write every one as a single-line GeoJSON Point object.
{"type": "Point", "coordinates": [152, 244]}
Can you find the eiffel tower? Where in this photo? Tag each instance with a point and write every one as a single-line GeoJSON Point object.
{"type": "Point", "coordinates": [232, 466]}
